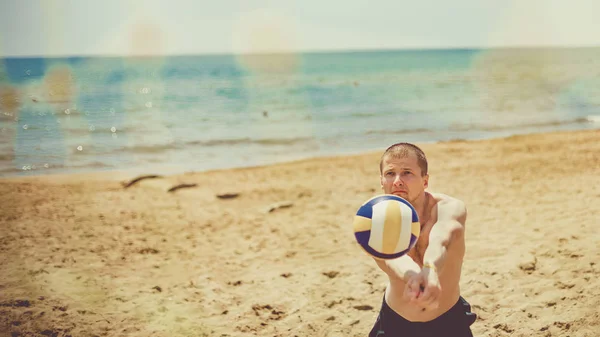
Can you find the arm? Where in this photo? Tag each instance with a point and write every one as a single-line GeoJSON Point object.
{"type": "Point", "coordinates": [400, 268]}
{"type": "Point", "coordinates": [447, 233]}
{"type": "Point", "coordinates": [446, 238]}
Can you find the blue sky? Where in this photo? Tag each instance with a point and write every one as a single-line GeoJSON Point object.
{"type": "Point", "coordinates": [113, 27]}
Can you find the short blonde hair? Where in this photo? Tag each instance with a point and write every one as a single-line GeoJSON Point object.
{"type": "Point", "coordinates": [401, 150]}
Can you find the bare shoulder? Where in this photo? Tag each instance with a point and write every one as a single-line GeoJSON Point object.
{"type": "Point", "coordinates": [441, 197]}
{"type": "Point", "coordinates": [449, 208]}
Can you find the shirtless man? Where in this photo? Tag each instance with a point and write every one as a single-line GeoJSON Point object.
{"type": "Point", "coordinates": [423, 294]}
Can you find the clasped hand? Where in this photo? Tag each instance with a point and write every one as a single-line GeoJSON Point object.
{"type": "Point", "coordinates": [423, 289]}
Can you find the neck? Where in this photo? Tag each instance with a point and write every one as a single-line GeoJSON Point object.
{"type": "Point", "coordinates": [420, 205]}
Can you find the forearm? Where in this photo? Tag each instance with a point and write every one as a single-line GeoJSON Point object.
{"type": "Point", "coordinates": [400, 268]}
{"type": "Point", "coordinates": [435, 256]}
{"type": "Point", "coordinates": [446, 234]}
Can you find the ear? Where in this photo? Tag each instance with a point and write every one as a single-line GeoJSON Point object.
{"type": "Point", "coordinates": [426, 181]}
{"type": "Point", "coordinates": [381, 181]}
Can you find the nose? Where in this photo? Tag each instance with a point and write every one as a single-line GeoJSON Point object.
{"type": "Point", "coordinates": [398, 181]}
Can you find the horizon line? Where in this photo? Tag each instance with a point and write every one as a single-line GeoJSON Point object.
{"type": "Point", "coordinates": [308, 51]}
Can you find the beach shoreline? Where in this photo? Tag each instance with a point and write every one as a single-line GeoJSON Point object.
{"type": "Point", "coordinates": [172, 170]}
{"type": "Point", "coordinates": [94, 113]}
{"type": "Point", "coordinates": [269, 250]}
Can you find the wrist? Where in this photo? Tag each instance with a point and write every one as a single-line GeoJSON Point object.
{"type": "Point", "coordinates": [430, 266]}
{"type": "Point", "coordinates": [408, 274]}
{"type": "Point", "coordinates": [401, 268]}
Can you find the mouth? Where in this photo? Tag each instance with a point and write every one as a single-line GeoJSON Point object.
{"type": "Point", "coordinates": [398, 192]}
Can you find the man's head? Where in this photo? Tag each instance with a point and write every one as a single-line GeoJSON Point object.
{"type": "Point", "coordinates": [403, 171]}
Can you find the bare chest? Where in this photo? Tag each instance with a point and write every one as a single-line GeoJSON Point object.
{"type": "Point", "coordinates": [418, 250]}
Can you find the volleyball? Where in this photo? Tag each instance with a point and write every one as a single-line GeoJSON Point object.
{"type": "Point", "coordinates": [386, 226]}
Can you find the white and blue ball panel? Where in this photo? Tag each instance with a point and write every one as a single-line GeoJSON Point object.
{"type": "Point", "coordinates": [387, 226]}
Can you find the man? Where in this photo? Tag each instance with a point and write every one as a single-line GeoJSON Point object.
{"type": "Point", "coordinates": [423, 294]}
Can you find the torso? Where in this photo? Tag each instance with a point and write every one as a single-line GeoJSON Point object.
{"type": "Point", "coordinates": [449, 278]}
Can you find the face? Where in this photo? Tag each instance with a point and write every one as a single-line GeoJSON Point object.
{"type": "Point", "coordinates": [402, 177]}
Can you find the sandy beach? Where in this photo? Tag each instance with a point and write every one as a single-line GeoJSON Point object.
{"type": "Point", "coordinates": [269, 251]}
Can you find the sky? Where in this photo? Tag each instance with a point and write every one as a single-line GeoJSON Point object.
{"type": "Point", "coordinates": [155, 27]}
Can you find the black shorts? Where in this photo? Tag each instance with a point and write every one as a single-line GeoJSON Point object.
{"type": "Point", "coordinates": [455, 322]}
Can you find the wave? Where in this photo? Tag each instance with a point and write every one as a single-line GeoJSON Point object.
{"type": "Point", "coordinates": [593, 118]}
{"type": "Point", "coordinates": [365, 114]}
{"type": "Point", "coordinates": [247, 140]}
{"type": "Point", "coordinates": [555, 123]}
{"type": "Point", "coordinates": [82, 130]}
{"type": "Point", "coordinates": [399, 131]}
{"type": "Point", "coordinates": [157, 148]}
{"type": "Point", "coordinates": [487, 127]}
{"type": "Point", "coordinates": [149, 148]}
{"type": "Point", "coordinates": [53, 167]}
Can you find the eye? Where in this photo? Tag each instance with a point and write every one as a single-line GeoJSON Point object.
{"type": "Point", "coordinates": [406, 172]}
{"type": "Point", "coordinates": [389, 174]}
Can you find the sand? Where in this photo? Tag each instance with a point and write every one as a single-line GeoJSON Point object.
{"type": "Point", "coordinates": [81, 255]}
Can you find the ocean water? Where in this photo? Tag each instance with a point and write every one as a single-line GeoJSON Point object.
{"type": "Point", "coordinates": [173, 114]}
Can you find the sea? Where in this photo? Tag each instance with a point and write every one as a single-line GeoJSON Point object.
{"type": "Point", "coordinates": [183, 113]}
